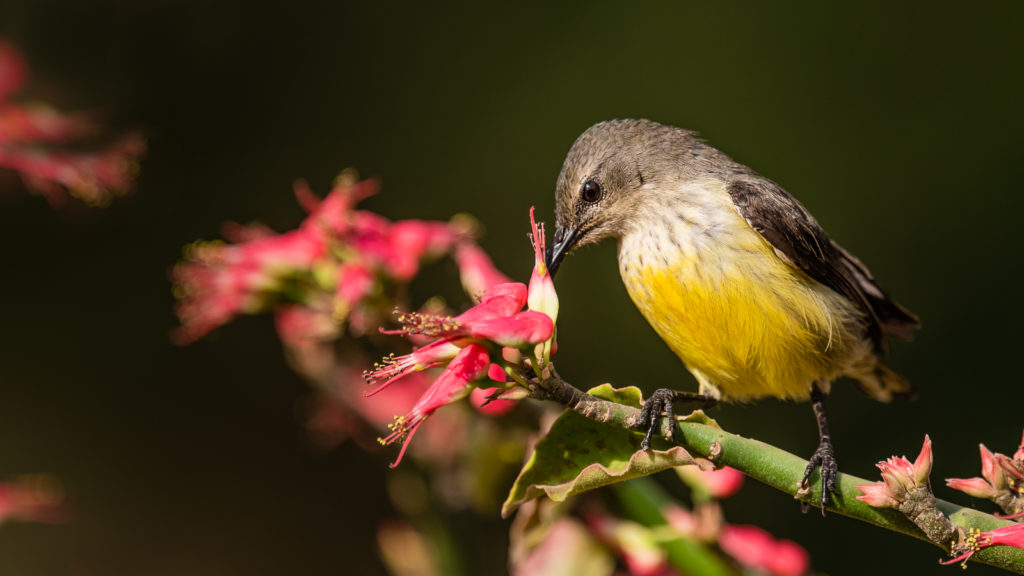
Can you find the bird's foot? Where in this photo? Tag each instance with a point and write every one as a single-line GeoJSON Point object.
{"type": "Point", "coordinates": [825, 459]}
{"type": "Point", "coordinates": [661, 402]}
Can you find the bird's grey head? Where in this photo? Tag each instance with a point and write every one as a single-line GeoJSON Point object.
{"type": "Point", "coordinates": [608, 171]}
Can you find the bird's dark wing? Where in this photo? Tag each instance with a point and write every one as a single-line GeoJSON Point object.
{"type": "Point", "coordinates": [798, 238]}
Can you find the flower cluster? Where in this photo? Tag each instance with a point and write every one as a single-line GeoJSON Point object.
{"type": "Point", "coordinates": [340, 265]}
{"type": "Point", "coordinates": [35, 142]}
{"type": "Point", "coordinates": [906, 487]}
{"type": "Point", "coordinates": [900, 479]}
{"type": "Point", "coordinates": [485, 341]}
{"type": "Point", "coordinates": [1001, 481]}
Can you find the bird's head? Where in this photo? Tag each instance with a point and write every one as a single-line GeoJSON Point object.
{"type": "Point", "coordinates": [609, 169]}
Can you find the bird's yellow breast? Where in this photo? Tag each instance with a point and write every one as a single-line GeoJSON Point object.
{"type": "Point", "coordinates": [744, 321]}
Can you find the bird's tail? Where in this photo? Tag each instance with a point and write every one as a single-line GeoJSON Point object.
{"type": "Point", "coordinates": [883, 384]}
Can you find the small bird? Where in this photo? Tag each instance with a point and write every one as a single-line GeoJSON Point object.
{"type": "Point", "coordinates": [731, 271]}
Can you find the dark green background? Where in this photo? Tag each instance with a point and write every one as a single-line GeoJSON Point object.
{"type": "Point", "coordinates": [899, 127]}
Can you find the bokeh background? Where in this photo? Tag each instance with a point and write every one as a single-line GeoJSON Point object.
{"type": "Point", "coordinates": [900, 127]}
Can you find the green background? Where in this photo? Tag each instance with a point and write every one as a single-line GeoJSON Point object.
{"type": "Point", "coordinates": [900, 127]}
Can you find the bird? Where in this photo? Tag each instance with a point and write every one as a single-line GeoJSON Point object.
{"type": "Point", "coordinates": [732, 272]}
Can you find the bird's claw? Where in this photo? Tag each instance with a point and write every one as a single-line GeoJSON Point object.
{"type": "Point", "coordinates": [650, 414]}
{"type": "Point", "coordinates": [825, 459]}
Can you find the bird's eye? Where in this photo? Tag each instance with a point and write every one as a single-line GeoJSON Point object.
{"type": "Point", "coordinates": [591, 191]}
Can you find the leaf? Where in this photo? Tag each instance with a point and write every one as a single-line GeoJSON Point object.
{"type": "Point", "coordinates": [579, 454]}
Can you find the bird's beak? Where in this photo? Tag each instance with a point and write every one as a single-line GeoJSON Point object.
{"type": "Point", "coordinates": [565, 239]}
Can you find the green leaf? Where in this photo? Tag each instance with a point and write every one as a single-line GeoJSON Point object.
{"type": "Point", "coordinates": [579, 454]}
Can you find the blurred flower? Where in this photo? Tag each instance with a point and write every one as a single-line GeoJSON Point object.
{"type": "Point", "coordinates": [340, 265]}
{"type": "Point", "coordinates": [469, 365]}
{"type": "Point", "coordinates": [29, 136]}
{"type": "Point", "coordinates": [720, 483]}
{"type": "Point", "coordinates": [757, 549]}
{"type": "Point", "coordinates": [564, 548]}
{"type": "Point", "coordinates": [900, 479]}
{"type": "Point", "coordinates": [13, 70]}
{"type": "Point", "coordinates": [1002, 481]}
{"type": "Point", "coordinates": [1012, 535]}
{"type": "Point", "coordinates": [476, 270]}
{"type": "Point", "coordinates": [635, 544]}
{"type": "Point", "coordinates": [31, 499]}
{"type": "Point", "coordinates": [704, 523]}
{"type": "Point", "coordinates": [407, 551]}
{"type": "Point", "coordinates": [216, 282]}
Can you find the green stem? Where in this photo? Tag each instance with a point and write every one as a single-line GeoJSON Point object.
{"type": "Point", "coordinates": [783, 471]}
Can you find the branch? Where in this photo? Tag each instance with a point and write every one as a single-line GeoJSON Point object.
{"type": "Point", "coordinates": [779, 469]}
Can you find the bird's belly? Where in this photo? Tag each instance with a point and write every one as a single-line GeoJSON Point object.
{"type": "Point", "coordinates": [745, 322]}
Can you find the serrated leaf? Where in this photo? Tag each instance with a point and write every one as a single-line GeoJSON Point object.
{"type": "Point", "coordinates": [579, 454]}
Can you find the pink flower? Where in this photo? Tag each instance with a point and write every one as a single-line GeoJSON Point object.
{"type": "Point", "coordinates": [333, 216]}
{"type": "Point", "coordinates": [393, 368]}
{"type": "Point", "coordinates": [513, 331]}
{"type": "Point", "coordinates": [298, 324]}
{"type": "Point", "coordinates": [13, 70]}
{"type": "Point", "coordinates": [720, 483]}
{"type": "Point", "coordinates": [40, 124]}
{"type": "Point", "coordinates": [899, 479]}
{"type": "Point", "coordinates": [634, 543]}
{"type": "Point", "coordinates": [1002, 481]}
{"type": "Point", "coordinates": [1012, 535]}
{"type": "Point", "coordinates": [93, 175]}
{"type": "Point", "coordinates": [355, 281]}
{"type": "Point", "coordinates": [216, 281]}
{"type": "Point", "coordinates": [542, 296]}
{"type": "Point", "coordinates": [993, 480]}
{"type": "Point", "coordinates": [412, 240]}
{"type": "Point", "coordinates": [31, 499]}
{"type": "Point", "coordinates": [477, 271]}
{"type": "Point", "coordinates": [469, 365]}
{"type": "Point", "coordinates": [495, 318]}
{"type": "Point", "coordinates": [757, 549]}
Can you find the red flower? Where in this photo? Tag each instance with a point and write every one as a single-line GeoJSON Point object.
{"type": "Point", "coordinates": [542, 295]}
{"type": "Point", "coordinates": [13, 70]}
{"type": "Point", "coordinates": [27, 136]}
{"type": "Point", "coordinates": [1002, 481]}
{"type": "Point", "coordinates": [216, 282]}
{"type": "Point", "coordinates": [31, 499]}
{"type": "Point", "coordinates": [900, 477]}
{"type": "Point", "coordinates": [338, 256]}
{"type": "Point", "coordinates": [720, 483]}
{"type": "Point", "coordinates": [476, 270]}
{"type": "Point", "coordinates": [469, 365]}
{"type": "Point", "coordinates": [392, 368]}
{"type": "Point", "coordinates": [993, 479]}
{"type": "Point", "coordinates": [757, 549]}
{"type": "Point", "coordinates": [1012, 535]}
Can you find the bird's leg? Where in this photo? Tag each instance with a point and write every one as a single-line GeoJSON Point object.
{"type": "Point", "coordinates": [825, 456]}
{"type": "Point", "coordinates": [661, 401]}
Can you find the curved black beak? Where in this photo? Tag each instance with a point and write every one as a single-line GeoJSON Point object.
{"type": "Point", "coordinates": [565, 239]}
